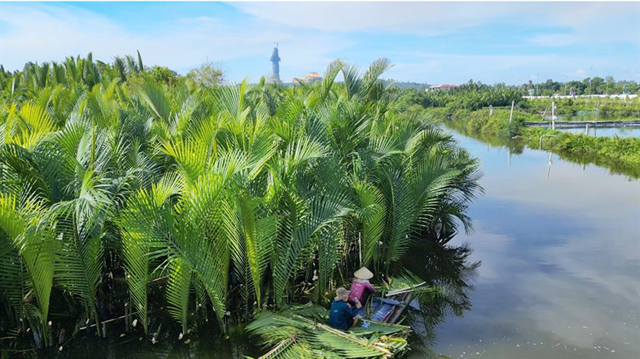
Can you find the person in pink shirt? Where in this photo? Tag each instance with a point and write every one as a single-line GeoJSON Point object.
{"type": "Point", "coordinates": [361, 289]}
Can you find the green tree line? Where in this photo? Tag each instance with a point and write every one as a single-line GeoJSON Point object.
{"type": "Point", "coordinates": [475, 96]}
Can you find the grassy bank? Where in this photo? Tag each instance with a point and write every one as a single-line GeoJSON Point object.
{"type": "Point", "coordinates": [620, 155]}
{"type": "Point", "coordinates": [604, 107]}
{"type": "Point", "coordinates": [472, 97]}
{"type": "Point", "coordinates": [482, 122]}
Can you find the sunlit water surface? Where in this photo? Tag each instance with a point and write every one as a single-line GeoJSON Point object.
{"type": "Point", "coordinates": [560, 249]}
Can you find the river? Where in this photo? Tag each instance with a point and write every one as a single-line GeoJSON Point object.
{"type": "Point", "coordinates": [560, 249]}
{"type": "Point", "coordinates": [622, 132]}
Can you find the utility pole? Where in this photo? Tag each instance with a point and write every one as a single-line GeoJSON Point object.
{"type": "Point", "coordinates": [553, 115]}
{"type": "Point", "coordinates": [511, 115]}
{"type": "Point", "coordinates": [590, 79]}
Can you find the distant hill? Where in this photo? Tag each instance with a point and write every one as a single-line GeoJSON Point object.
{"type": "Point", "coordinates": [407, 85]}
{"type": "Point", "coordinates": [399, 84]}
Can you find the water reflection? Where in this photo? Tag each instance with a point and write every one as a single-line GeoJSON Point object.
{"type": "Point", "coordinates": [449, 268]}
{"type": "Point", "coordinates": [560, 252]}
{"type": "Point", "coordinates": [516, 147]}
{"type": "Point", "coordinates": [622, 132]}
{"type": "Point", "coordinates": [208, 343]}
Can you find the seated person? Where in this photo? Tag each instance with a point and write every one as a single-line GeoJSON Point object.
{"type": "Point", "coordinates": [342, 316]}
{"type": "Point", "coordinates": [361, 289]}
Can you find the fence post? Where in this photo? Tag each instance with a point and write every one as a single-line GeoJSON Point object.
{"type": "Point", "coordinates": [553, 115]}
{"type": "Point", "coordinates": [511, 115]}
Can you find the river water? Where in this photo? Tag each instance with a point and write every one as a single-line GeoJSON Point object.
{"type": "Point", "coordinates": [560, 249]}
{"type": "Point", "coordinates": [622, 132]}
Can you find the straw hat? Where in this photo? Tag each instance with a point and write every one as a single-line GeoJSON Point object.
{"type": "Point", "coordinates": [363, 273]}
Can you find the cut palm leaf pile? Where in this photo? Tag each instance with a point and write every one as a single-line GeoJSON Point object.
{"type": "Point", "coordinates": [300, 332]}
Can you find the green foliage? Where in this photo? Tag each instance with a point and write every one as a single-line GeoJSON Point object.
{"type": "Point", "coordinates": [207, 199]}
{"type": "Point", "coordinates": [207, 75]}
{"type": "Point", "coordinates": [483, 123]}
{"type": "Point", "coordinates": [469, 97]}
{"type": "Point", "coordinates": [163, 75]}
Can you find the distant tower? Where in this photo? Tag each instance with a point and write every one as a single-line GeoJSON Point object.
{"type": "Point", "coordinates": [275, 66]}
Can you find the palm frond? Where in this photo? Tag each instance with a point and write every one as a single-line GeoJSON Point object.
{"type": "Point", "coordinates": [155, 97]}
{"type": "Point", "coordinates": [289, 332]}
{"type": "Point", "coordinates": [371, 214]}
{"type": "Point", "coordinates": [371, 85]}
{"type": "Point", "coordinates": [35, 246]}
{"type": "Point", "coordinates": [178, 290]}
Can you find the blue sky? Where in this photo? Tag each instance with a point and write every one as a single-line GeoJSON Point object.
{"type": "Point", "coordinates": [429, 42]}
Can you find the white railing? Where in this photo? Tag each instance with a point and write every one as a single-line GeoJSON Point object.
{"type": "Point", "coordinates": [620, 96]}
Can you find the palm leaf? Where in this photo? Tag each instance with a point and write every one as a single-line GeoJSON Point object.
{"type": "Point", "coordinates": [155, 97]}
{"type": "Point", "coordinates": [293, 334]}
{"type": "Point", "coordinates": [178, 290]}
{"type": "Point", "coordinates": [35, 246]}
{"type": "Point", "coordinates": [371, 214]}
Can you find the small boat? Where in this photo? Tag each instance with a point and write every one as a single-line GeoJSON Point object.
{"type": "Point", "coordinates": [388, 310]}
{"type": "Point", "coordinates": [301, 330]}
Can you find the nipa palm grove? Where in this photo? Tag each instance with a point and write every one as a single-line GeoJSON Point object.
{"type": "Point", "coordinates": [127, 190]}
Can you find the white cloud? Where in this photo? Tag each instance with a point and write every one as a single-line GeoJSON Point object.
{"type": "Point", "coordinates": [447, 68]}
{"type": "Point", "coordinates": [35, 32]}
{"type": "Point", "coordinates": [584, 21]}
{"type": "Point", "coordinates": [591, 24]}
{"type": "Point", "coordinates": [46, 33]}
{"type": "Point", "coordinates": [311, 35]}
{"type": "Point", "coordinates": [555, 40]}
{"type": "Point", "coordinates": [426, 18]}
{"type": "Point", "coordinates": [578, 74]}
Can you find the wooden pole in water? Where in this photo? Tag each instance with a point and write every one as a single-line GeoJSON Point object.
{"type": "Point", "coordinates": [553, 115]}
{"type": "Point", "coordinates": [511, 115]}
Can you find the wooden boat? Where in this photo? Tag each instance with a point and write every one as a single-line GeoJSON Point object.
{"type": "Point", "coordinates": [301, 331]}
{"type": "Point", "coordinates": [389, 310]}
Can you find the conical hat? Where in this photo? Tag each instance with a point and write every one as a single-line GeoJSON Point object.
{"type": "Point", "coordinates": [363, 273]}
